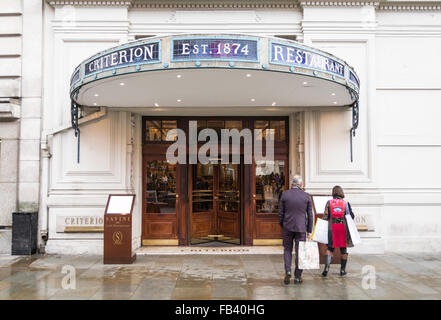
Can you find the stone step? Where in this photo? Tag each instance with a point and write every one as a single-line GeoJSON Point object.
{"type": "Point", "coordinates": [174, 250]}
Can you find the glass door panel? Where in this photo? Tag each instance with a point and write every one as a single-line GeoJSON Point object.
{"type": "Point", "coordinates": [216, 204]}
{"type": "Point", "coordinates": [228, 196]}
{"type": "Point", "coordinates": [270, 183]}
{"type": "Point", "coordinates": [202, 218]}
{"type": "Point", "coordinates": [228, 204]}
{"type": "Point", "coordinates": [159, 221]}
{"type": "Point", "coordinates": [160, 187]}
{"type": "Point", "coordinates": [203, 188]}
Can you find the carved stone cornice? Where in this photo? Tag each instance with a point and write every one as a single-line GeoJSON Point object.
{"type": "Point", "coordinates": [90, 3]}
{"type": "Point", "coordinates": [410, 5]}
{"type": "Point", "coordinates": [397, 5]}
{"type": "Point", "coordinates": [179, 4]}
{"type": "Point", "coordinates": [215, 4]}
{"type": "Point", "coordinates": [338, 3]}
{"type": "Point", "coordinates": [381, 5]}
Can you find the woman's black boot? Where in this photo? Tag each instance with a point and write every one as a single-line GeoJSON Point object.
{"type": "Point", "coordinates": [343, 267]}
{"type": "Point", "coordinates": [327, 264]}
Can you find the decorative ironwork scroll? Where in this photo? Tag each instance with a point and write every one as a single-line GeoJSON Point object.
{"type": "Point", "coordinates": [355, 119]}
{"type": "Point", "coordinates": [74, 112]}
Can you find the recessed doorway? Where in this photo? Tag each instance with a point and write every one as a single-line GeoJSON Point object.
{"type": "Point", "coordinates": [216, 206]}
{"type": "Point", "coordinates": [212, 204]}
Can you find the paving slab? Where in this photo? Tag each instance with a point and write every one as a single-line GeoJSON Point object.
{"type": "Point", "coordinates": [217, 276]}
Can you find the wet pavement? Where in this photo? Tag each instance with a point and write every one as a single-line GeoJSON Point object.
{"type": "Point", "coordinates": [391, 276]}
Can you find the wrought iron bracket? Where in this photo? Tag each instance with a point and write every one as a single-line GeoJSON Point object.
{"type": "Point", "coordinates": [355, 119]}
{"type": "Point", "coordinates": [74, 112]}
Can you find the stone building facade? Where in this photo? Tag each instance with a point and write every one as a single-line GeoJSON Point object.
{"type": "Point", "coordinates": [21, 63]}
{"type": "Point", "coordinates": [393, 182]}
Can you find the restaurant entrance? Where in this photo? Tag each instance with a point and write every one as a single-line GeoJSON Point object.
{"type": "Point", "coordinates": [212, 203]}
{"type": "Point", "coordinates": [216, 204]}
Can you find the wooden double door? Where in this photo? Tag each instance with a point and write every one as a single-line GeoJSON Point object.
{"type": "Point", "coordinates": [185, 204]}
{"type": "Point", "coordinates": [215, 203]}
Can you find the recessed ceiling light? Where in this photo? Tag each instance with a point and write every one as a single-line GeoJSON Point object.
{"type": "Point", "coordinates": [121, 83]}
{"type": "Point", "coordinates": [252, 99]}
{"type": "Point", "coordinates": [156, 104]}
{"type": "Point", "coordinates": [178, 76]}
{"type": "Point", "coordinates": [305, 83]}
{"type": "Point", "coordinates": [179, 100]}
{"type": "Point", "coordinates": [96, 95]}
{"type": "Point", "coordinates": [248, 75]}
{"type": "Point", "coordinates": [94, 103]}
{"type": "Point", "coordinates": [273, 104]}
{"type": "Point", "coordinates": [333, 94]}
{"type": "Point", "coordinates": [335, 102]}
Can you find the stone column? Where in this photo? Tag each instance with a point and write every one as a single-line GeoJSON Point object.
{"type": "Point", "coordinates": [10, 82]}
{"type": "Point", "coordinates": [31, 97]}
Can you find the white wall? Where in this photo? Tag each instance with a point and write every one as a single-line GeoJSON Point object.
{"type": "Point", "coordinates": [250, 21]}
{"type": "Point", "coordinates": [394, 176]}
{"type": "Point", "coordinates": [408, 98]}
{"type": "Point", "coordinates": [349, 33]}
{"type": "Point", "coordinates": [74, 34]}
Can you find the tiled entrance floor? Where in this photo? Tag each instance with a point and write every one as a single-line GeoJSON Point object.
{"type": "Point", "coordinates": [216, 276]}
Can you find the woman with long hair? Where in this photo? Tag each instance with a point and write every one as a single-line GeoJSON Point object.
{"type": "Point", "coordinates": [338, 233]}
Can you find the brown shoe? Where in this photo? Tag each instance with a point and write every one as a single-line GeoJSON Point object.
{"type": "Point", "coordinates": [287, 278]}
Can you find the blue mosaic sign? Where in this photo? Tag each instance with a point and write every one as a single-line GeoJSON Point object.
{"type": "Point", "coordinates": [300, 57]}
{"type": "Point", "coordinates": [354, 79]}
{"type": "Point", "coordinates": [193, 49]}
{"type": "Point", "coordinates": [145, 53]}
{"type": "Point", "coordinates": [75, 77]}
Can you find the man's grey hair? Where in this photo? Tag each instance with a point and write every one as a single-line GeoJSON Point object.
{"type": "Point", "coordinates": [297, 180]}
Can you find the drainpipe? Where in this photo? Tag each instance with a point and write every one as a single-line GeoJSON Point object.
{"type": "Point", "coordinates": [44, 189]}
{"type": "Point", "coordinates": [44, 181]}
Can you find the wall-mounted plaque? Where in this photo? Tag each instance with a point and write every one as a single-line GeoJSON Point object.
{"type": "Point", "coordinates": [364, 222]}
{"type": "Point", "coordinates": [118, 229]}
{"type": "Point", "coordinates": [79, 223]}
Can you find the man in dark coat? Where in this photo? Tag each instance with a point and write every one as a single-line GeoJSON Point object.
{"type": "Point", "coordinates": [295, 218]}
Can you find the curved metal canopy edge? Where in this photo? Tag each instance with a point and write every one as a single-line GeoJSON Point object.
{"type": "Point", "coordinates": [147, 60]}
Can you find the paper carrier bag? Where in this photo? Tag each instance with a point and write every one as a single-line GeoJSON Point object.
{"type": "Point", "coordinates": [320, 232]}
{"type": "Point", "coordinates": [355, 236]}
{"type": "Point", "coordinates": [308, 255]}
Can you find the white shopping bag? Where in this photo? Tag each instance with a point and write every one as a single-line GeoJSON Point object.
{"type": "Point", "coordinates": [320, 233]}
{"type": "Point", "coordinates": [355, 236]}
{"type": "Point", "coordinates": [308, 255]}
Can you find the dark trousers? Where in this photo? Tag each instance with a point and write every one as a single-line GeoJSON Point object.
{"type": "Point", "coordinates": [342, 250]}
{"type": "Point", "coordinates": [288, 237]}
